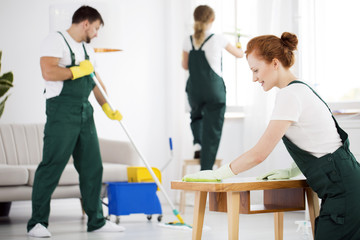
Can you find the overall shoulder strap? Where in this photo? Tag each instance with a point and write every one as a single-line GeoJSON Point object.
{"type": "Point", "coordinates": [71, 52]}
{"type": "Point", "coordinates": [206, 41]}
{"type": "Point", "coordinates": [297, 81]}
{"type": "Point", "coordinates": [192, 44]}
{"type": "Point", "coordinates": [340, 131]}
{"type": "Point", "coordinates": [86, 55]}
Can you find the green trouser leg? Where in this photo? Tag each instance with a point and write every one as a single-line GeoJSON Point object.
{"type": "Point", "coordinates": [56, 154]}
{"type": "Point", "coordinates": [60, 141]}
{"type": "Point", "coordinates": [87, 161]}
{"type": "Point", "coordinates": [340, 215]}
{"type": "Point", "coordinates": [197, 123]}
{"type": "Point", "coordinates": [213, 121]}
{"type": "Point", "coordinates": [206, 125]}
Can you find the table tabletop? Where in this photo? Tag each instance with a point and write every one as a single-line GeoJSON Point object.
{"type": "Point", "coordinates": [238, 184]}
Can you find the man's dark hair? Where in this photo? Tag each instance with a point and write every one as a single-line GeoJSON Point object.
{"type": "Point", "coordinates": [86, 13]}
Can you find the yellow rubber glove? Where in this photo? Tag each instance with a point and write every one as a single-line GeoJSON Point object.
{"type": "Point", "coordinates": [85, 68]}
{"type": "Point", "coordinates": [287, 173]}
{"type": "Point", "coordinates": [210, 175]}
{"type": "Point", "coordinates": [113, 115]}
{"type": "Point", "coordinates": [238, 45]}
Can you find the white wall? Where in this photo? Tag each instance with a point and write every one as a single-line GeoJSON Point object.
{"type": "Point", "coordinates": [145, 81]}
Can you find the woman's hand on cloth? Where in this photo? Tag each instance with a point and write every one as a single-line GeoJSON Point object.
{"type": "Point", "coordinates": [210, 175]}
{"type": "Point", "coordinates": [287, 173]}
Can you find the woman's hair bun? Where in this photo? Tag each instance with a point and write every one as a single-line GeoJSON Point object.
{"type": "Point", "coordinates": [290, 40]}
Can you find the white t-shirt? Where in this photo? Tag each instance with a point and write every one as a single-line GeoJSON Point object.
{"type": "Point", "coordinates": [313, 129]}
{"type": "Point", "coordinates": [54, 45]}
{"type": "Point", "coordinates": [212, 48]}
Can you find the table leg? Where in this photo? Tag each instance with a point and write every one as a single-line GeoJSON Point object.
{"type": "Point", "coordinates": [233, 210]}
{"type": "Point", "coordinates": [182, 201]}
{"type": "Point", "coordinates": [279, 225]}
{"type": "Point", "coordinates": [313, 203]}
{"type": "Point", "coordinates": [199, 212]}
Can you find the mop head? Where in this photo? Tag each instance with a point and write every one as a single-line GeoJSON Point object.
{"type": "Point", "coordinates": [181, 226]}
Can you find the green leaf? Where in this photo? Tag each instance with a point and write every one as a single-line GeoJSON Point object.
{"type": "Point", "coordinates": [5, 85]}
{"type": "Point", "coordinates": [2, 105]}
{"type": "Point", "coordinates": [8, 76]}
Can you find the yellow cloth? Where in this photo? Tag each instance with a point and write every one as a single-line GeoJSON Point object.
{"type": "Point", "coordinates": [85, 68]}
{"type": "Point", "coordinates": [113, 115]}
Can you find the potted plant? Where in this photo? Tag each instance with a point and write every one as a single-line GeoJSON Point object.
{"type": "Point", "coordinates": [6, 81]}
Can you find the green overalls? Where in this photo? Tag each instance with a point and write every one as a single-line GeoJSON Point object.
{"type": "Point", "coordinates": [70, 130]}
{"type": "Point", "coordinates": [207, 98]}
{"type": "Point", "coordinates": [335, 177]}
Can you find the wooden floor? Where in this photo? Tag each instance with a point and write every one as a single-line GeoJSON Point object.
{"type": "Point", "coordinates": [66, 222]}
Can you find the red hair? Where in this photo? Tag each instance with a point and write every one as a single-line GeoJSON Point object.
{"type": "Point", "coordinates": [269, 47]}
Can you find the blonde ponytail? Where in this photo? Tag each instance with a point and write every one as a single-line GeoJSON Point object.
{"type": "Point", "coordinates": [203, 15]}
{"type": "Point", "coordinates": [199, 33]}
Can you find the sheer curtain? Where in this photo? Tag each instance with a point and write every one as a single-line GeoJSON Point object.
{"type": "Point", "coordinates": [281, 17]}
{"type": "Point", "coordinates": [266, 17]}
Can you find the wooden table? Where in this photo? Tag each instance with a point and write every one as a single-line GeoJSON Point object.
{"type": "Point", "coordinates": [233, 196]}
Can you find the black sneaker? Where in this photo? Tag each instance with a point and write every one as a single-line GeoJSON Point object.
{"type": "Point", "coordinates": [197, 154]}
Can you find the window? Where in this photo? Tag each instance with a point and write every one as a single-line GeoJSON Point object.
{"type": "Point", "coordinates": [229, 16]}
{"type": "Point", "coordinates": [238, 14]}
{"type": "Point", "coordinates": [328, 49]}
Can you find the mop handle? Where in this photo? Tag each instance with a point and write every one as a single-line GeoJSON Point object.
{"type": "Point", "coordinates": [132, 142]}
{"type": "Point", "coordinates": [102, 90]}
{"type": "Point", "coordinates": [171, 154]}
{"type": "Point", "coordinates": [171, 146]}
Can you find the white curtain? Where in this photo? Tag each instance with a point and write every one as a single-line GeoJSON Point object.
{"type": "Point", "coordinates": [274, 17]}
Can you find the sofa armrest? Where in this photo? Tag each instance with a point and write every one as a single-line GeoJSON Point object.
{"type": "Point", "coordinates": [122, 152]}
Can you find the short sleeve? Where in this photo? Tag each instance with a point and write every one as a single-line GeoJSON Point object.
{"type": "Point", "coordinates": [287, 106]}
{"type": "Point", "coordinates": [223, 41]}
{"type": "Point", "coordinates": [52, 46]}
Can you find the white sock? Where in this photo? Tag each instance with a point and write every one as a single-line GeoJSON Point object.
{"type": "Point", "coordinates": [197, 147]}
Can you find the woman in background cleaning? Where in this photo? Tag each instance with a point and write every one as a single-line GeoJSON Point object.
{"type": "Point", "coordinates": [319, 147]}
{"type": "Point", "coordinates": [202, 56]}
{"type": "Point", "coordinates": [66, 64]}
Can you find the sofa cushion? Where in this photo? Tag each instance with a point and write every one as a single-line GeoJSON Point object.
{"type": "Point", "coordinates": [112, 173]}
{"type": "Point", "coordinates": [69, 176]}
{"type": "Point", "coordinates": [13, 175]}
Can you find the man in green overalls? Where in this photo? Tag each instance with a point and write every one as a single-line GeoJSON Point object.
{"type": "Point", "coordinates": [69, 130]}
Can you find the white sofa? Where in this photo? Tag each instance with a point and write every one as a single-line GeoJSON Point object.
{"type": "Point", "coordinates": [21, 151]}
